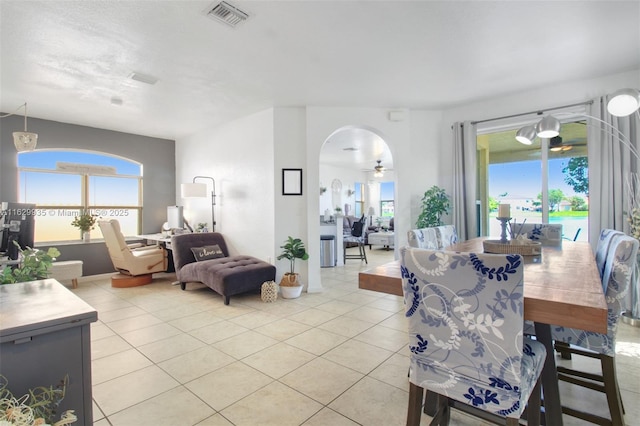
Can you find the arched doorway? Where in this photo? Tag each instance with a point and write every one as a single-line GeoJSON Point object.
{"type": "Point", "coordinates": [356, 176]}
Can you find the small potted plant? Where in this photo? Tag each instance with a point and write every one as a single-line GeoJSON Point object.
{"type": "Point", "coordinates": [85, 222]}
{"type": "Point", "coordinates": [293, 249]}
{"type": "Point", "coordinates": [338, 211]}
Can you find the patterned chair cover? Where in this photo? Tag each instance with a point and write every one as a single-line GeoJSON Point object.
{"type": "Point", "coordinates": [436, 238]}
{"type": "Point", "coordinates": [602, 249]}
{"type": "Point", "coordinates": [546, 233]}
{"type": "Point", "coordinates": [465, 315]}
{"type": "Point", "coordinates": [617, 273]}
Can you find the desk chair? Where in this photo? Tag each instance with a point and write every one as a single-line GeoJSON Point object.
{"type": "Point", "coordinates": [465, 315]}
{"type": "Point", "coordinates": [131, 260]}
{"type": "Point", "coordinates": [619, 265]}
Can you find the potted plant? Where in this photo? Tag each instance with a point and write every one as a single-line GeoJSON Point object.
{"type": "Point", "coordinates": [338, 211]}
{"type": "Point", "coordinates": [85, 222]}
{"type": "Point", "coordinates": [292, 249]}
{"type": "Point", "coordinates": [34, 265]}
{"type": "Point", "coordinates": [435, 203]}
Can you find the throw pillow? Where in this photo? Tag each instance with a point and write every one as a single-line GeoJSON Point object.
{"type": "Point", "coordinates": [207, 252]}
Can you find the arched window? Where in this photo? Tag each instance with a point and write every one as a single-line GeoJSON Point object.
{"type": "Point", "coordinates": [64, 183]}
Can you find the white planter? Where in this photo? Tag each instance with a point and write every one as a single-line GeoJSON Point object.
{"type": "Point", "coordinates": [86, 237]}
{"type": "Point", "coordinates": [291, 292]}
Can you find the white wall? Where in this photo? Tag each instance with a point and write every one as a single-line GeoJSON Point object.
{"type": "Point", "coordinates": [348, 177]}
{"type": "Point", "coordinates": [240, 157]}
{"type": "Point", "coordinates": [291, 210]}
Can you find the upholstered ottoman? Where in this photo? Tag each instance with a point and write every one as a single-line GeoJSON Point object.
{"type": "Point", "coordinates": [226, 275]}
{"type": "Point", "coordinates": [66, 270]}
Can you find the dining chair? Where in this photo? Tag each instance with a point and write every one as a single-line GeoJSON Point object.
{"type": "Point", "coordinates": [545, 233]}
{"type": "Point", "coordinates": [435, 237]}
{"type": "Point", "coordinates": [465, 315]}
{"type": "Point", "coordinates": [618, 271]}
{"type": "Point", "coordinates": [602, 249]}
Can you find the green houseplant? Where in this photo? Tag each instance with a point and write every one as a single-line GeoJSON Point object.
{"type": "Point", "coordinates": [34, 265]}
{"type": "Point", "coordinates": [85, 222]}
{"type": "Point", "coordinates": [289, 284]}
{"type": "Point", "coordinates": [435, 203]}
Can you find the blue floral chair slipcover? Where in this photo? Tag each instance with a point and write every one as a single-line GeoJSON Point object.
{"type": "Point", "coordinates": [465, 314]}
{"type": "Point", "coordinates": [546, 233]}
{"type": "Point", "coordinates": [618, 271]}
{"type": "Point", "coordinates": [602, 249]}
{"type": "Point", "coordinates": [436, 238]}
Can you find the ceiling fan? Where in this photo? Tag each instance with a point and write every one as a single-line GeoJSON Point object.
{"type": "Point", "coordinates": [379, 169]}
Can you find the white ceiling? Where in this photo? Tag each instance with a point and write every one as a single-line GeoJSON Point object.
{"type": "Point", "coordinates": [69, 59]}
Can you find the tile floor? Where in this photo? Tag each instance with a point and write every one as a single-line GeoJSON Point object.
{"type": "Point", "coordinates": [162, 356]}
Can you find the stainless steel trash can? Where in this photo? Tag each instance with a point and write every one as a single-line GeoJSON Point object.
{"type": "Point", "coordinates": [327, 251]}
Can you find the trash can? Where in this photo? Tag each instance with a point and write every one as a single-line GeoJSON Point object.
{"type": "Point", "coordinates": [327, 251]}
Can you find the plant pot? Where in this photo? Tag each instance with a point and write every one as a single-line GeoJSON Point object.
{"type": "Point", "coordinates": [291, 292]}
{"type": "Point", "coordinates": [86, 236]}
{"type": "Point", "coordinates": [290, 286]}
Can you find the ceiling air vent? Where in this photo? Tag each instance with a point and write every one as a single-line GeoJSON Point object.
{"type": "Point", "coordinates": [228, 14]}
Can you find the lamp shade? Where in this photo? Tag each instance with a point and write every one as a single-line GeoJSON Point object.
{"type": "Point", "coordinates": [371, 211]}
{"type": "Point", "coordinates": [624, 102]}
{"type": "Point", "coordinates": [197, 190]}
{"type": "Point", "coordinates": [548, 127]}
{"type": "Point", "coordinates": [526, 135]}
{"type": "Point", "coordinates": [25, 141]}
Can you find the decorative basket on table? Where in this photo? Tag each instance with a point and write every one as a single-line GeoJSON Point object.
{"type": "Point", "coordinates": [525, 248]}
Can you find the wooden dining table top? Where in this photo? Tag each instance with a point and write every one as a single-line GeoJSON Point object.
{"type": "Point", "coordinates": [562, 286]}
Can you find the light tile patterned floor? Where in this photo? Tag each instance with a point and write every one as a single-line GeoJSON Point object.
{"type": "Point", "coordinates": [162, 356]}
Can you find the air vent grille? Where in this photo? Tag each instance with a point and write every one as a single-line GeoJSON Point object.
{"type": "Point", "coordinates": [228, 14]}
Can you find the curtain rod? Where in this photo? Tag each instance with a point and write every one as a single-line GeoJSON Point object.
{"type": "Point", "coordinates": [538, 111]}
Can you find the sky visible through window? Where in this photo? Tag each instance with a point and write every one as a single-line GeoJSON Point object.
{"type": "Point", "coordinates": [522, 180]}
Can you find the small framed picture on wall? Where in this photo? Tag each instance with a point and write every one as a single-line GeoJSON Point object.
{"type": "Point", "coordinates": [291, 181]}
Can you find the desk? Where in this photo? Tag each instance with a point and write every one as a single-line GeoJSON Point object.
{"type": "Point", "coordinates": [564, 288]}
{"type": "Point", "coordinates": [163, 241]}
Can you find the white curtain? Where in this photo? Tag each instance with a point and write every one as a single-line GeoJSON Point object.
{"type": "Point", "coordinates": [464, 197]}
{"type": "Point", "coordinates": [611, 163]}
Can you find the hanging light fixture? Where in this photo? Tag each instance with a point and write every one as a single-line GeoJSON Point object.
{"type": "Point", "coordinates": [526, 135]}
{"type": "Point", "coordinates": [24, 141]}
{"type": "Point", "coordinates": [624, 102]}
{"type": "Point", "coordinates": [548, 127]}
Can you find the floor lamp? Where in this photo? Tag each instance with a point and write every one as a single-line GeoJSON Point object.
{"type": "Point", "coordinates": [622, 103]}
{"type": "Point", "coordinates": [199, 190]}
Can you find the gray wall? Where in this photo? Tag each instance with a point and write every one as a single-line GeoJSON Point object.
{"type": "Point", "coordinates": [159, 176]}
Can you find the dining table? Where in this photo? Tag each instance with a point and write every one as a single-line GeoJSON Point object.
{"type": "Point", "coordinates": [562, 286]}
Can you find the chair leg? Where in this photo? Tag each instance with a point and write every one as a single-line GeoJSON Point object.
{"type": "Point", "coordinates": [415, 405]}
{"type": "Point", "coordinates": [364, 253]}
{"type": "Point", "coordinates": [443, 415]}
{"type": "Point", "coordinates": [533, 406]}
{"type": "Point", "coordinates": [612, 389]}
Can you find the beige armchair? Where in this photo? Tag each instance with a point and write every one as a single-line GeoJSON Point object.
{"type": "Point", "coordinates": [132, 260]}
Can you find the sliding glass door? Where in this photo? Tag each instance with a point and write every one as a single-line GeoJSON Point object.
{"type": "Point", "coordinates": [546, 182]}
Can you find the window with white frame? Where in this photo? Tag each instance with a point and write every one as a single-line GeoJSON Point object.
{"type": "Point", "coordinates": [64, 183]}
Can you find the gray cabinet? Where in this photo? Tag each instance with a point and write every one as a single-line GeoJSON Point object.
{"type": "Point", "coordinates": [44, 336]}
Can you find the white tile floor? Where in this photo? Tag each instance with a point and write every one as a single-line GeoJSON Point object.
{"type": "Point", "coordinates": [162, 356]}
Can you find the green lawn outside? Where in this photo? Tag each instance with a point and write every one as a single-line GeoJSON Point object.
{"type": "Point", "coordinates": [569, 214]}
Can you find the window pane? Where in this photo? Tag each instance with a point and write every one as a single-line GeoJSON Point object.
{"type": "Point", "coordinates": [47, 159]}
{"type": "Point", "coordinates": [55, 224]}
{"type": "Point", "coordinates": [50, 189]}
{"type": "Point", "coordinates": [113, 191]}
